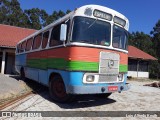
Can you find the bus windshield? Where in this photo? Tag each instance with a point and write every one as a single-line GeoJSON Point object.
{"type": "Point", "coordinates": [120, 37]}
{"type": "Point", "coordinates": [92, 31]}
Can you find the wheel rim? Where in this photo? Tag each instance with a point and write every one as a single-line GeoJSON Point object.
{"type": "Point", "coordinates": [59, 89]}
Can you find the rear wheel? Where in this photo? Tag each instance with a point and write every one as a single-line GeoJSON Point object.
{"type": "Point", "coordinates": [57, 90]}
{"type": "Point", "coordinates": [22, 74]}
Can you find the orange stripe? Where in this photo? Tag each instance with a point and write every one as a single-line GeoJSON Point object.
{"type": "Point", "coordinates": [76, 54]}
{"type": "Point", "coordinates": [92, 54]}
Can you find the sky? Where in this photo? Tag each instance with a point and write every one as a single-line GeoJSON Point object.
{"type": "Point", "coordinates": [142, 14]}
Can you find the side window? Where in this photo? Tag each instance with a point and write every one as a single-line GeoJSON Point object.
{"type": "Point", "coordinates": [23, 46]}
{"type": "Point", "coordinates": [19, 48]}
{"type": "Point", "coordinates": [37, 41]}
{"type": "Point", "coordinates": [45, 39]}
{"type": "Point", "coordinates": [29, 44]}
{"type": "Point", "coordinates": [55, 36]}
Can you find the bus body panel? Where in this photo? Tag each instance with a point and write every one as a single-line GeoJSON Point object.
{"type": "Point", "coordinates": [32, 73]}
{"type": "Point", "coordinates": [20, 61]}
{"type": "Point", "coordinates": [95, 88]}
{"type": "Point", "coordinates": [43, 77]}
{"type": "Point", "coordinates": [72, 59]}
{"type": "Point", "coordinates": [71, 63]}
{"type": "Point", "coordinates": [74, 84]}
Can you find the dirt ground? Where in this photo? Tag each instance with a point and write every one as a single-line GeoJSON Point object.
{"type": "Point", "coordinates": [137, 98]}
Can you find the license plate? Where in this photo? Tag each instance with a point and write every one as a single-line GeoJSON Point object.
{"type": "Point", "coordinates": [112, 88]}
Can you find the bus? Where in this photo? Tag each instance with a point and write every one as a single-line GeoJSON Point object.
{"type": "Point", "coordinates": [84, 52]}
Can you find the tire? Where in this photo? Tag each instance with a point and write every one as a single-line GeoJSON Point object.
{"type": "Point", "coordinates": [57, 90]}
{"type": "Point", "coordinates": [22, 74]}
{"type": "Point", "coordinates": [105, 95]}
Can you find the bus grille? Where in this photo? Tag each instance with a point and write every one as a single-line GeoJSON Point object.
{"type": "Point", "coordinates": [108, 67]}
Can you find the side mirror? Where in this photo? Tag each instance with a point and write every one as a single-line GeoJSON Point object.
{"type": "Point", "coordinates": [63, 32]}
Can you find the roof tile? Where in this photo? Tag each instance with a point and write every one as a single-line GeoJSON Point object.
{"type": "Point", "coordinates": [134, 52]}
{"type": "Point", "coordinates": [11, 35]}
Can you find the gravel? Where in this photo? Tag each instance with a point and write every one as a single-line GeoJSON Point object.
{"type": "Point", "coordinates": [11, 87]}
{"type": "Point", "coordinates": [138, 98]}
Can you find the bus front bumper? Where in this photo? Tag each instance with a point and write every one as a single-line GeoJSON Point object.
{"type": "Point", "coordinates": [92, 89]}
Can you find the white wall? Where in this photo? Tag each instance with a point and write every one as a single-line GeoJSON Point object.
{"type": "Point", "coordinates": [140, 74]}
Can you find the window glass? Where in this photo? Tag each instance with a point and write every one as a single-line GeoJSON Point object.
{"type": "Point", "coordinates": [29, 44]}
{"type": "Point", "coordinates": [37, 41]}
{"type": "Point", "coordinates": [45, 39]}
{"type": "Point", "coordinates": [92, 31]}
{"type": "Point", "coordinates": [23, 46]}
{"type": "Point", "coordinates": [55, 36]}
{"type": "Point", "coordinates": [19, 48]}
{"type": "Point", "coordinates": [143, 66]}
{"type": "Point", "coordinates": [132, 65]}
{"type": "Point", "coordinates": [120, 38]}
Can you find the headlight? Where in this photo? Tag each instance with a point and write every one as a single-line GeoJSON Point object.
{"type": "Point", "coordinates": [90, 78]}
{"type": "Point", "coordinates": [120, 77]}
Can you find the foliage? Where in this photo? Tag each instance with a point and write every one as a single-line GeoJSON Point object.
{"type": "Point", "coordinates": [141, 41]}
{"type": "Point", "coordinates": [156, 41]}
{"type": "Point", "coordinates": [12, 14]}
{"type": "Point", "coordinates": [35, 18]}
{"type": "Point", "coordinates": [149, 44]}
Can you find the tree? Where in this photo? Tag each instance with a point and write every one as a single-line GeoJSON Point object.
{"type": "Point", "coordinates": [146, 43]}
{"type": "Point", "coordinates": [141, 41]}
{"type": "Point", "coordinates": [12, 14]}
{"type": "Point", "coordinates": [55, 16]}
{"type": "Point", "coordinates": [156, 40]}
{"type": "Point", "coordinates": [35, 18]}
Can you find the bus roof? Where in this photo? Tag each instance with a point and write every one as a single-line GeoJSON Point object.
{"type": "Point", "coordinates": [81, 12]}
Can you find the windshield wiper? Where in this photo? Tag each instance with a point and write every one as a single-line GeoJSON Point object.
{"type": "Point", "coordinates": [84, 41]}
{"type": "Point", "coordinates": [93, 23]}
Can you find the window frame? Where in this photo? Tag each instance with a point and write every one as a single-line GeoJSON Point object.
{"type": "Point", "coordinates": [102, 20]}
{"type": "Point", "coordinates": [126, 33]}
{"type": "Point", "coordinates": [23, 49]}
{"type": "Point", "coordinates": [31, 39]}
{"type": "Point", "coordinates": [35, 40]}
{"type": "Point", "coordinates": [19, 48]}
{"type": "Point", "coordinates": [47, 39]}
{"type": "Point", "coordinates": [50, 45]}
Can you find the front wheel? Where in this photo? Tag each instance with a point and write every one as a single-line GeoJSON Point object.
{"type": "Point", "coordinates": [57, 90]}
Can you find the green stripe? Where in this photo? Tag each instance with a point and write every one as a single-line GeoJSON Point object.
{"type": "Point", "coordinates": [59, 63]}
{"type": "Point", "coordinates": [123, 68]}
{"type": "Point", "coordinates": [85, 66]}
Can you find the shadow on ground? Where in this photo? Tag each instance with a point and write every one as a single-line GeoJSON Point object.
{"type": "Point", "coordinates": [80, 101]}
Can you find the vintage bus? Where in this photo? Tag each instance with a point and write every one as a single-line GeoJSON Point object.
{"type": "Point", "coordinates": [84, 52]}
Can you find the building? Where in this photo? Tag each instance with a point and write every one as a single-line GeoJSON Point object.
{"type": "Point", "coordinates": [138, 63]}
{"type": "Point", "coordinates": [9, 36]}
{"type": "Point", "coordinates": [138, 60]}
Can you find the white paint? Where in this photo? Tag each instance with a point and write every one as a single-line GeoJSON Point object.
{"type": "Point", "coordinates": [3, 62]}
{"type": "Point", "coordinates": [80, 12]}
{"type": "Point", "coordinates": [139, 75]}
{"type": "Point", "coordinates": [96, 76]}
